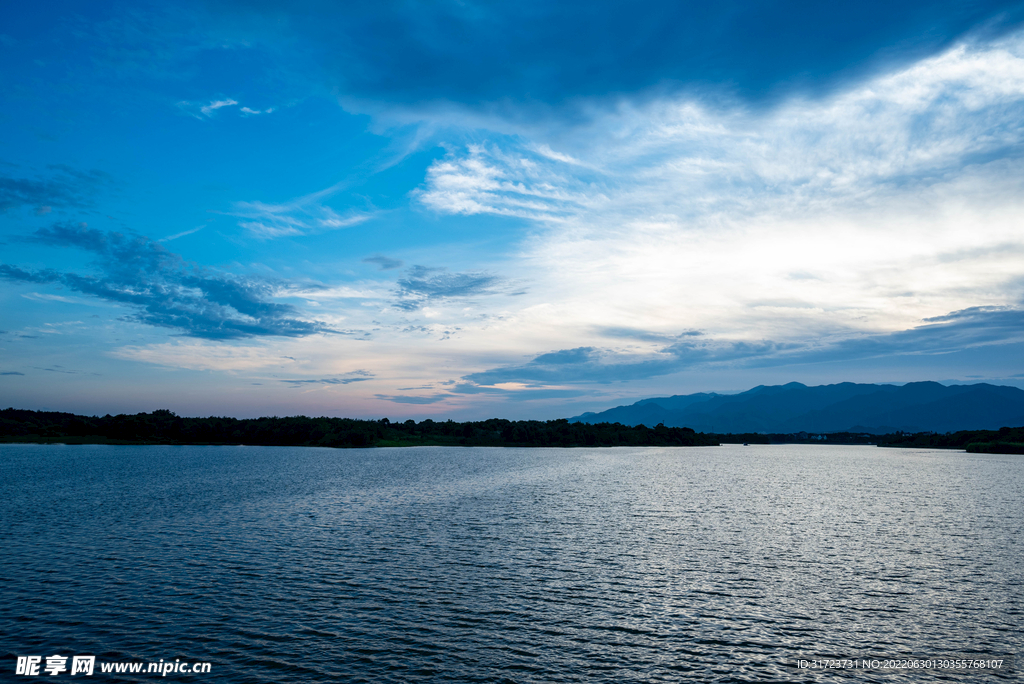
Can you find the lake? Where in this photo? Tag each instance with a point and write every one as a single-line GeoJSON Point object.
{"type": "Point", "coordinates": [509, 565]}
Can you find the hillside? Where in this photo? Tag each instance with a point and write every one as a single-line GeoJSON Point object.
{"type": "Point", "coordinates": [794, 407]}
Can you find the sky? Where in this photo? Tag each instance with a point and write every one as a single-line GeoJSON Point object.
{"type": "Point", "coordinates": [521, 210]}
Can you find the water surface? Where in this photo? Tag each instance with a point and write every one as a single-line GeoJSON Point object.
{"type": "Point", "coordinates": [519, 565]}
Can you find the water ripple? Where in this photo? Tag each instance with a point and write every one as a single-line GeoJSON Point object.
{"type": "Point", "coordinates": [505, 565]}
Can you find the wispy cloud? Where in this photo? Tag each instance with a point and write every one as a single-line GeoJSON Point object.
{"type": "Point", "coordinates": [181, 234]}
{"type": "Point", "coordinates": [61, 369]}
{"type": "Point", "coordinates": [424, 285]}
{"type": "Point", "coordinates": [166, 291]}
{"type": "Point", "coordinates": [644, 335]}
{"type": "Point", "coordinates": [210, 109]}
{"type": "Point", "coordinates": [302, 216]}
{"type": "Point", "coordinates": [520, 393]}
{"type": "Point", "coordinates": [400, 399]}
{"type": "Point", "coordinates": [205, 111]}
{"type": "Point", "coordinates": [206, 356]}
{"type": "Point", "coordinates": [42, 297]}
{"type": "Point", "coordinates": [384, 263]}
{"type": "Point", "coordinates": [63, 187]}
{"type": "Point", "coordinates": [346, 379]}
{"type": "Point", "coordinates": [214, 105]}
{"type": "Point", "coordinates": [524, 183]}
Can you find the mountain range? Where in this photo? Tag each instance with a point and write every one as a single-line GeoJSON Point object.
{"type": "Point", "coordinates": [844, 407]}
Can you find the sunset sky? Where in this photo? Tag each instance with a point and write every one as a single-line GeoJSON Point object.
{"type": "Point", "coordinates": [474, 209]}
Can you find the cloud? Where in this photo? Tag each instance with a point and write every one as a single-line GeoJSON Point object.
{"type": "Point", "coordinates": [326, 381]}
{"type": "Point", "coordinates": [40, 297]}
{"type": "Point", "coordinates": [586, 365]}
{"type": "Point", "coordinates": [66, 187]}
{"type": "Point", "coordinates": [62, 369]}
{"type": "Point", "coordinates": [384, 263]}
{"type": "Point", "coordinates": [983, 326]}
{"type": "Point", "coordinates": [524, 184]}
{"type": "Point", "coordinates": [181, 234]}
{"type": "Point", "coordinates": [214, 105]}
{"type": "Point", "coordinates": [11, 373]}
{"type": "Point", "coordinates": [643, 335]}
{"type": "Point", "coordinates": [349, 378]}
{"type": "Point", "coordinates": [538, 55]}
{"type": "Point", "coordinates": [303, 216]}
{"type": "Point", "coordinates": [580, 355]}
{"type": "Point", "coordinates": [971, 328]}
{"type": "Point", "coordinates": [321, 293]}
{"type": "Point", "coordinates": [13, 273]}
{"type": "Point", "coordinates": [686, 158]}
{"type": "Point", "coordinates": [166, 291]}
{"type": "Point", "coordinates": [209, 110]}
{"type": "Point", "coordinates": [545, 150]}
{"type": "Point", "coordinates": [424, 285]}
{"type": "Point", "coordinates": [205, 111]}
{"type": "Point", "coordinates": [206, 356]}
{"type": "Point", "coordinates": [861, 212]}
{"type": "Point", "coordinates": [413, 400]}
{"type": "Point", "coordinates": [519, 394]}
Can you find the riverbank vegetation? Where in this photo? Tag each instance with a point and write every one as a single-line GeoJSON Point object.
{"type": "Point", "coordinates": [164, 427]}
{"type": "Point", "coordinates": [1002, 441]}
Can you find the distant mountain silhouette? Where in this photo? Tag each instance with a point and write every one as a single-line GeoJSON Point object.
{"type": "Point", "coordinates": [878, 409]}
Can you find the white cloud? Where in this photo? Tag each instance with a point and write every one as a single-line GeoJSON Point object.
{"type": "Point", "coordinates": [545, 151]}
{"type": "Point", "coordinates": [487, 180]}
{"type": "Point", "coordinates": [366, 291]}
{"type": "Point", "coordinates": [902, 195]}
{"type": "Point", "coordinates": [182, 234]}
{"type": "Point", "coordinates": [302, 216]}
{"type": "Point", "coordinates": [209, 109]}
{"type": "Point", "coordinates": [206, 356]}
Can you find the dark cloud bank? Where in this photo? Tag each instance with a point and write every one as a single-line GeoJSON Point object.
{"type": "Point", "coordinates": [482, 54]}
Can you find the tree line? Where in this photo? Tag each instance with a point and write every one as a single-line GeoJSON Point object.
{"type": "Point", "coordinates": [1005, 440]}
{"type": "Point", "coordinates": [164, 427]}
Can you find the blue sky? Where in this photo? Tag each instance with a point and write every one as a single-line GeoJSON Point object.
{"type": "Point", "coordinates": [468, 210]}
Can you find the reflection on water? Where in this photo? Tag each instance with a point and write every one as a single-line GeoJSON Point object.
{"type": "Point", "coordinates": [519, 565]}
